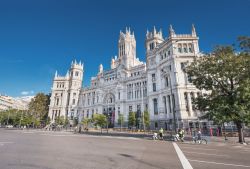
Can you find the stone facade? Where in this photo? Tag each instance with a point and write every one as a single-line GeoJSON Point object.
{"type": "Point", "coordinates": [159, 86]}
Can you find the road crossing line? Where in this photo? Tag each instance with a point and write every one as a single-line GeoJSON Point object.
{"type": "Point", "coordinates": [205, 153]}
{"type": "Point", "coordinates": [212, 162]}
{"type": "Point", "coordinates": [184, 161]}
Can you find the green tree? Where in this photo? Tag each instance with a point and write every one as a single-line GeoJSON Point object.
{"type": "Point", "coordinates": [120, 120]}
{"type": "Point", "coordinates": [146, 118]}
{"type": "Point", "coordinates": [60, 120]}
{"type": "Point", "coordinates": [85, 122]}
{"type": "Point", "coordinates": [225, 75]}
{"type": "Point", "coordinates": [75, 121]}
{"type": "Point", "coordinates": [100, 120]}
{"type": "Point", "coordinates": [131, 119]}
{"type": "Point", "coordinates": [39, 107]}
{"type": "Point", "coordinates": [66, 122]}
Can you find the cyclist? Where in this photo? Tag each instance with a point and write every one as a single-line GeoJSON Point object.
{"type": "Point", "coordinates": [181, 134]}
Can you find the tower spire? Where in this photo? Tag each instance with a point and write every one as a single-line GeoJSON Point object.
{"type": "Point", "coordinates": [193, 30]}
{"type": "Point", "coordinates": [56, 74]}
{"type": "Point", "coordinates": [171, 31]}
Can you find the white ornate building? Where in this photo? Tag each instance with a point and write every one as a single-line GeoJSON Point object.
{"type": "Point", "coordinates": [160, 86]}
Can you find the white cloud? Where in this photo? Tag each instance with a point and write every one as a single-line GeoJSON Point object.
{"type": "Point", "coordinates": [27, 92]}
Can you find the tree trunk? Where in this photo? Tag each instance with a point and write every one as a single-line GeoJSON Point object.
{"type": "Point", "coordinates": [240, 132]}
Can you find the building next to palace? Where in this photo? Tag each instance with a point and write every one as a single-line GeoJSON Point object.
{"type": "Point", "coordinates": [159, 86]}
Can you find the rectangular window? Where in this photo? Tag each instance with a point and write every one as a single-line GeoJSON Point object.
{"type": "Point", "coordinates": [189, 78]}
{"type": "Point", "coordinates": [155, 106]}
{"type": "Point", "coordinates": [57, 101]}
{"type": "Point", "coordinates": [153, 77]}
{"type": "Point", "coordinates": [182, 65]}
{"type": "Point", "coordinates": [130, 108]}
{"type": "Point", "coordinates": [169, 104]}
{"type": "Point", "coordinates": [154, 87]}
{"type": "Point", "coordinates": [119, 96]}
{"type": "Point", "coordinates": [165, 104]}
{"type": "Point", "coordinates": [166, 82]}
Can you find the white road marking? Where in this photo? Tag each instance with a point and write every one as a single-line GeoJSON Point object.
{"type": "Point", "coordinates": [5, 142]}
{"type": "Point", "coordinates": [110, 137]}
{"type": "Point", "coordinates": [205, 153]}
{"type": "Point", "coordinates": [212, 162]}
{"type": "Point", "coordinates": [198, 148]}
{"type": "Point", "coordinates": [28, 132]}
{"type": "Point", "coordinates": [185, 163]}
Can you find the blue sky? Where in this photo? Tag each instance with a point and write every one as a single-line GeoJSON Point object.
{"type": "Point", "coordinates": [42, 36]}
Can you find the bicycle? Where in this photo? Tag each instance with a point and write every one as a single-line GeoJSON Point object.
{"type": "Point", "coordinates": [157, 136]}
{"type": "Point", "coordinates": [202, 140]}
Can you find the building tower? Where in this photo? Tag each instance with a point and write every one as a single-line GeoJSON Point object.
{"type": "Point", "coordinates": [75, 84]}
{"type": "Point", "coordinates": [65, 92]}
{"type": "Point", "coordinates": [153, 39]}
{"type": "Point", "coordinates": [127, 49]}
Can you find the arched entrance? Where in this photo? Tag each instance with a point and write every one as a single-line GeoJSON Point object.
{"type": "Point", "coordinates": [109, 108]}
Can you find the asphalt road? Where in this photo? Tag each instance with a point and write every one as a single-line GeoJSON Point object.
{"type": "Point", "coordinates": [64, 150]}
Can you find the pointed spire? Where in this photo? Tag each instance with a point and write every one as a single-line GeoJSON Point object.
{"type": "Point", "coordinates": [75, 62]}
{"type": "Point", "coordinates": [171, 31]}
{"type": "Point", "coordinates": [154, 31]}
{"type": "Point", "coordinates": [160, 32]}
{"type": "Point", "coordinates": [80, 63]}
{"type": "Point", "coordinates": [67, 74]}
{"type": "Point", "coordinates": [129, 30]}
{"type": "Point", "coordinates": [56, 74]}
{"type": "Point", "coordinates": [193, 30]}
{"type": "Point", "coordinates": [100, 68]}
{"type": "Point", "coordinates": [72, 62]}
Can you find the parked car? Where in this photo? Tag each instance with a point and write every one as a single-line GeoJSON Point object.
{"type": "Point", "coordinates": [9, 126]}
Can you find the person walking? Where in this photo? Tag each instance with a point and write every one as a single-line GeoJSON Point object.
{"type": "Point", "coordinates": [161, 133]}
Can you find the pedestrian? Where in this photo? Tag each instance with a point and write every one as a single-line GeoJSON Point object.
{"type": "Point", "coordinates": [199, 135]}
{"type": "Point", "coordinates": [161, 133]}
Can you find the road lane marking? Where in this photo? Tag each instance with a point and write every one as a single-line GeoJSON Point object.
{"type": "Point", "coordinates": [28, 132]}
{"type": "Point", "coordinates": [198, 148]}
{"type": "Point", "coordinates": [5, 142]}
{"type": "Point", "coordinates": [205, 153]}
{"type": "Point", "coordinates": [109, 137]}
{"type": "Point", "coordinates": [212, 162]}
{"type": "Point", "coordinates": [184, 162]}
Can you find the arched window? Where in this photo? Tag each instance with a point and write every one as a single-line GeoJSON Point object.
{"type": "Point", "coordinates": [190, 48]}
{"type": "Point", "coordinates": [185, 48]}
{"type": "Point", "coordinates": [179, 48]}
